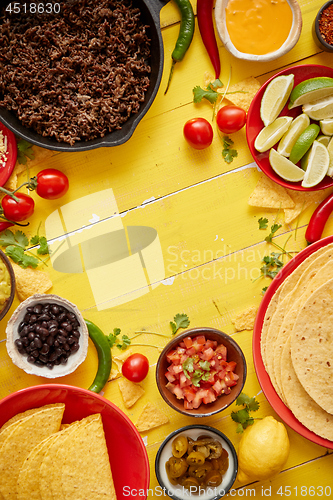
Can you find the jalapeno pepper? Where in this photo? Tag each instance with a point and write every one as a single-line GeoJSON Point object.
{"type": "Point", "coordinates": [206, 28]}
{"type": "Point", "coordinates": [104, 357]}
{"type": "Point", "coordinates": [185, 36]}
{"type": "Point", "coordinates": [318, 220]}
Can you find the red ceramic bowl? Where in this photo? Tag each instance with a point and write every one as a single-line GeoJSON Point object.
{"type": "Point", "coordinates": [234, 353]}
{"type": "Point", "coordinates": [6, 171]}
{"type": "Point", "coordinates": [127, 452]}
{"type": "Point", "coordinates": [254, 123]}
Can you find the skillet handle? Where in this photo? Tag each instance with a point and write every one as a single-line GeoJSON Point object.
{"type": "Point", "coordinates": [156, 6]}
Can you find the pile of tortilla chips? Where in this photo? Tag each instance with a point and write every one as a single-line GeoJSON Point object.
{"type": "Point", "coordinates": [41, 459]}
{"type": "Point", "coordinates": [269, 194]}
{"type": "Point", "coordinates": [297, 342]}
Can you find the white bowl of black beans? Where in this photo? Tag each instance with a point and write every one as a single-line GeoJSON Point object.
{"type": "Point", "coordinates": [47, 336]}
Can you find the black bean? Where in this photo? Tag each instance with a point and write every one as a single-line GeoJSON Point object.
{"type": "Point", "coordinates": [50, 340]}
{"type": "Point", "coordinates": [31, 336]}
{"type": "Point", "coordinates": [35, 353]}
{"type": "Point", "coordinates": [45, 349]}
{"type": "Point", "coordinates": [44, 317]}
{"type": "Point", "coordinates": [38, 343]}
{"type": "Point", "coordinates": [75, 347]}
{"type": "Point", "coordinates": [55, 309]}
{"type": "Point", "coordinates": [24, 332]}
{"type": "Point", "coordinates": [43, 358]}
{"type": "Point", "coordinates": [76, 333]}
{"type": "Point", "coordinates": [25, 341]}
{"type": "Point", "coordinates": [33, 318]}
{"type": "Point", "coordinates": [38, 309]}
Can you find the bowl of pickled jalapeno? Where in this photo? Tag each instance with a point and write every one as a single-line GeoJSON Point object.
{"type": "Point", "coordinates": [198, 461]}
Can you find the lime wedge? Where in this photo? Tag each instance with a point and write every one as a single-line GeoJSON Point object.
{"type": "Point", "coordinates": [324, 139]}
{"type": "Point", "coordinates": [330, 154]}
{"type": "Point", "coordinates": [275, 97]}
{"type": "Point", "coordinates": [317, 165]}
{"type": "Point", "coordinates": [311, 90]}
{"type": "Point", "coordinates": [326, 126]}
{"type": "Point", "coordinates": [270, 135]}
{"type": "Point", "coordinates": [304, 142]}
{"type": "Point", "coordinates": [284, 167]}
{"type": "Point", "coordinates": [321, 109]}
{"type": "Point", "coordinates": [298, 125]}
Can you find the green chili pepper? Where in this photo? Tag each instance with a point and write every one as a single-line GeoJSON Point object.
{"type": "Point", "coordinates": [104, 356]}
{"type": "Point", "coordinates": [185, 36]}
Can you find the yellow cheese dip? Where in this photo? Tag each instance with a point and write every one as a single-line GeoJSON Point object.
{"type": "Point", "coordinates": [258, 26]}
{"type": "Point", "coordinates": [4, 284]}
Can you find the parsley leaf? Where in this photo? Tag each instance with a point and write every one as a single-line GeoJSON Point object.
{"type": "Point", "coordinates": [188, 367]}
{"type": "Point", "coordinates": [43, 246]}
{"type": "Point", "coordinates": [228, 153]}
{"type": "Point", "coordinates": [179, 321]}
{"type": "Point", "coordinates": [242, 417]}
{"type": "Point", "coordinates": [209, 93]}
{"type": "Point", "coordinates": [18, 239]}
{"type": "Point", "coordinates": [205, 365]}
{"type": "Point", "coordinates": [275, 227]}
{"type": "Point", "coordinates": [24, 151]}
{"type": "Point", "coordinates": [263, 223]}
{"type": "Point", "coordinates": [17, 254]}
{"type": "Point", "coordinates": [112, 337]}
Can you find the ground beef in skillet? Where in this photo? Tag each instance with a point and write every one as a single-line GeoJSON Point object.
{"type": "Point", "coordinates": [76, 75]}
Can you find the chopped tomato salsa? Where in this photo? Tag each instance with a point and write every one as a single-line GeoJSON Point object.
{"type": "Point", "coordinates": [199, 371]}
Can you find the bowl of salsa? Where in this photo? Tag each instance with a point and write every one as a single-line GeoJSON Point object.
{"type": "Point", "coordinates": [201, 372]}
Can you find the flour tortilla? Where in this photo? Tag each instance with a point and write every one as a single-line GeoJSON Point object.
{"type": "Point", "coordinates": [312, 346]}
{"type": "Point", "coordinates": [300, 403]}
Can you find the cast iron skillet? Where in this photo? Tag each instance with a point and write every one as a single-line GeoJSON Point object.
{"type": "Point", "coordinates": [150, 15]}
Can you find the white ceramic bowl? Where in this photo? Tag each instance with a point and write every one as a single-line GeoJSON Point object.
{"type": "Point", "coordinates": [296, 28]}
{"type": "Point", "coordinates": [20, 360]}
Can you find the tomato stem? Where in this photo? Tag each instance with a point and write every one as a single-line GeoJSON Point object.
{"type": "Point", "coordinates": [10, 193]}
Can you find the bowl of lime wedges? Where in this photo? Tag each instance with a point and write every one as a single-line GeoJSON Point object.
{"type": "Point", "coordinates": [289, 127]}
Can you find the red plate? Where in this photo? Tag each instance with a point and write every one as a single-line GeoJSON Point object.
{"type": "Point", "coordinates": [254, 123]}
{"type": "Point", "coordinates": [127, 452]}
{"type": "Point", "coordinates": [276, 403]}
{"type": "Point", "coordinates": [6, 170]}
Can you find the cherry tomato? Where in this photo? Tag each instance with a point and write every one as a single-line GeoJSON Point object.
{"type": "Point", "coordinates": [198, 132]}
{"type": "Point", "coordinates": [51, 184]}
{"type": "Point", "coordinates": [136, 367]}
{"type": "Point", "coordinates": [18, 211]}
{"type": "Point", "coordinates": [230, 119]}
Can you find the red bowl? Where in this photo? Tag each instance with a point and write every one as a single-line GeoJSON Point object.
{"type": "Point", "coordinates": [254, 123]}
{"type": "Point", "coordinates": [6, 171]}
{"type": "Point", "coordinates": [127, 452]}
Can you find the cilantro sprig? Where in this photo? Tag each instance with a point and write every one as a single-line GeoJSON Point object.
{"type": "Point", "coordinates": [203, 373]}
{"type": "Point", "coordinates": [16, 247]}
{"type": "Point", "coordinates": [113, 339]}
{"type": "Point", "coordinates": [228, 152]}
{"type": "Point", "coordinates": [179, 321]}
{"type": "Point", "coordinates": [24, 151]}
{"type": "Point", "coordinates": [242, 417]}
{"type": "Point", "coordinates": [210, 93]}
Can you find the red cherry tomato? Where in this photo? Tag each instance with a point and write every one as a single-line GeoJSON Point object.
{"type": "Point", "coordinates": [230, 119]}
{"type": "Point", "coordinates": [20, 210]}
{"type": "Point", "coordinates": [198, 132]}
{"type": "Point", "coordinates": [51, 184]}
{"type": "Point", "coordinates": [136, 367]}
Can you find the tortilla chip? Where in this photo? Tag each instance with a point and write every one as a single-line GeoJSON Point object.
{"type": "Point", "coordinates": [27, 413]}
{"type": "Point", "coordinates": [21, 437]}
{"type": "Point", "coordinates": [30, 281]}
{"type": "Point", "coordinates": [244, 92]}
{"type": "Point", "coordinates": [208, 78]}
{"type": "Point", "coordinates": [245, 319]}
{"type": "Point", "coordinates": [119, 360]}
{"type": "Point", "coordinates": [150, 418]}
{"type": "Point", "coordinates": [268, 194]}
{"type": "Point", "coordinates": [302, 200]}
{"type": "Point", "coordinates": [130, 392]}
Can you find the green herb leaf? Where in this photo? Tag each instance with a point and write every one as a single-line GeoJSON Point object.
{"type": "Point", "coordinates": [18, 239]}
{"type": "Point", "coordinates": [209, 94]}
{"type": "Point", "coordinates": [263, 290]}
{"type": "Point", "coordinates": [17, 254]}
{"type": "Point", "coordinates": [197, 377]}
{"type": "Point", "coordinates": [242, 417]}
{"type": "Point", "coordinates": [43, 246]}
{"type": "Point", "coordinates": [112, 337]}
{"type": "Point", "coordinates": [228, 153]}
{"type": "Point", "coordinates": [205, 365]}
{"type": "Point", "coordinates": [126, 341]}
{"type": "Point", "coordinates": [263, 223]}
{"type": "Point", "coordinates": [188, 367]}
{"type": "Point", "coordinates": [24, 151]}
{"type": "Point", "coordinates": [179, 321]}
{"type": "Point", "coordinates": [275, 227]}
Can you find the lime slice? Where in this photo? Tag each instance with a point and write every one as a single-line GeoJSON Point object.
{"type": "Point", "coordinates": [324, 139]}
{"type": "Point", "coordinates": [290, 137]}
{"type": "Point", "coordinates": [275, 97]}
{"type": "Point", "coordinates": [284, 167]}
{"type": "Point", "coordinates": [321, 109]}
{"type": "Point", "coordinates": [326, 126]}
{"type": "Point", "coordinates": [311, 90]}
{"type": "Point", "coordinates": [270, 135]}
{"type": "Point", "coordinates": [318, 163]}
{"type": "Point", "coordinates": [304, 142]}
{"type": "Point", "coordinates": [330, 154]}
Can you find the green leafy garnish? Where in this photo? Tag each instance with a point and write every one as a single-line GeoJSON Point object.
{"type": "Point", "coordinates": [114, 340]}
{"type": "Point", "coordinates": [196, 375]}
{"type": "Point", "coordinates": [263, 223]}
{"type": "Point", "coordinates": [275, 227]}
{"type": "Point", "coordinates": [209, 93]}
{"type": "Point", "coordinates": [17, 254]}
{"type": "Point", "coordinates": [242, 417]}
{"type": "Point", "coordinates": [228, 153]}
{"type": "Point", "coordinates": [188, 367]}
{"type": "Point", "coordinates": [272, 266]}
{"type": "Point", "coordinates": [18, 239]}
{"type": "Point", "coordinates": [16, 247]}
{"type": "Point", "coordinates": [24, 151]}
{"type": "Point", "coordinates": [179, 321]}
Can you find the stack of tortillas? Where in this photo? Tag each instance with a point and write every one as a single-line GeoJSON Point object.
{"type": "Point", "coordinates": [297, 342]}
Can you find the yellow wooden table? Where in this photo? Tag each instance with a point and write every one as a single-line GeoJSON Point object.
{"type": "Point", "coordinates": [200, 243]}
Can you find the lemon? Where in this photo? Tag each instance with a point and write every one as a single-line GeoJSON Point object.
{"type": "Point", "coordinates": [321, 109]}
{"type": "Point", "coordinates": [284, 167]}
{"type": "Point", "coordinates": [317, 165]}
{"type": "Point", "coordinates": [310, 90]}
{"type": "Point", "coordinates": [326, 126]}
{"type": "Point", "coordinates": [324, 139]}
{"type": "Point", "coordinates": [263, 450]}
{"type": "Point", "coordinates": [290, 137]}
{"type": "Point", "coordinates": [304, 142]}
{"type": "Point", "coordinates": [275, 97]}
{"type": "Point", "coordinates": [270, 135]}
